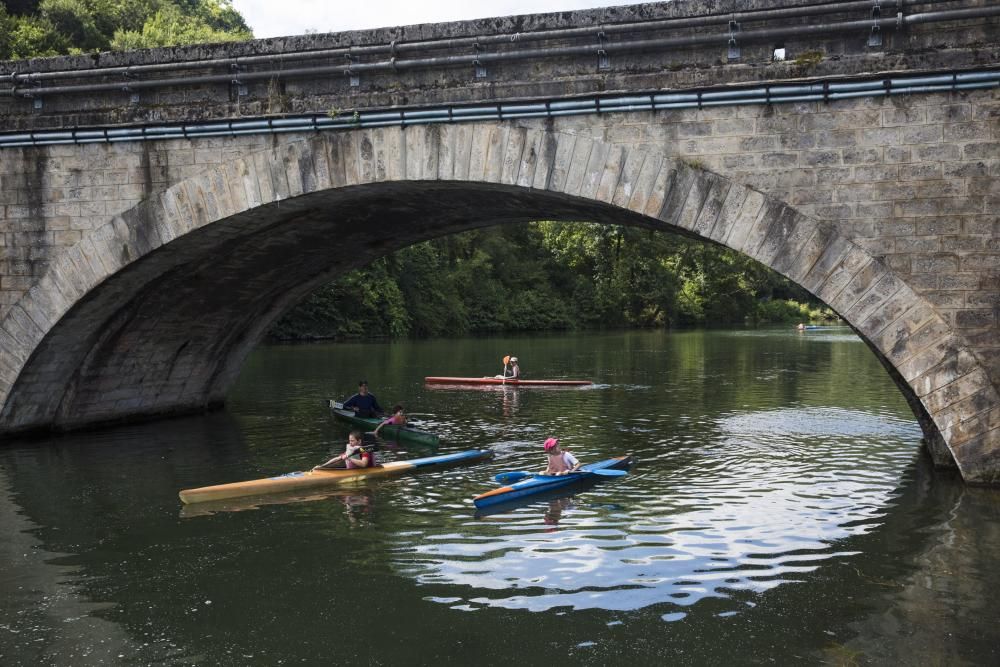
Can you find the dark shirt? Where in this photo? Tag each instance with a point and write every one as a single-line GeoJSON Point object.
{"type": "Point", "coordinates": [367, 405]}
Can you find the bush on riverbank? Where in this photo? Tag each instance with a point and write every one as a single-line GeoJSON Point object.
{"type": "Point", "coordinates": [786, 310]}
{"type": "Point", "coordinates": [548, 276]}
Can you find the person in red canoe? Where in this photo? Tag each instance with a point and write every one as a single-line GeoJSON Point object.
{"type": "Point", "coordinates": [355, 455]}
{"type": "Point", "coordinates": [560, 461]}
{"type": "Point", "coordinates": [511, 371]}
{"type": "Point", "coordinates": [398, 418]}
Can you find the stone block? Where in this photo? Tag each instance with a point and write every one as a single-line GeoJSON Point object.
{"type": "Point", "coordinates": [938, 226]}
{"type": "Point", "coordinates": [857, 304]}
{"type": "Point", "coordinates": [753, 211]}
{"type": "Point", "coordinates": [561, 162]}
{"type": "Point", "coordinates": [527, 169]}
{"type": "Point", "coordinates": [694, 129]}
{"type": "Point", "coordinates": [943, 153]}
{"type": "Point", "coordinates": [982, 150]}
{"type": "Point", "coordinates": [579, 174]}
{"type": "Point", "coordinates": [861, 156]}
{"type": "Point", "coordinates": [949, 113]}
{"type": "Point", "coordinates": [980, 262]}
{"type": "Point", "coordinates": [785, 236]}
{"type": "Point", "coordinates": [733, 126]}
{"type": "Point", "coordinates": [713, 206]}
{"type": "Point", "coordinates": [512, 153]}
{"type": "Point", "coordinates": [611, 174]}
{"type": "Point", "coordinates": [920, 172]}
{"type": "Point", "coordinates": [479, 164]}
{"type": "Point", "coordinates": [876, 320]}
{"type": "Point", "coordinates": [977, 458]}
{"type": "Point", "coordinates": [960, 133]}
{"type": "Point", "coordinates": [937, 391]}
{"type": "Point", "coordinates": [728, 216]}
{"type": "Point", "coordinates": [846, 284]}
{"type": "Point", "coordinates": [958, 426]}
{"type": "Point", "coordinates": [974, 319]}
{"type": "Point", "coordinates": [920, 134]}
{"type": "Point", "coordinates": [645, 181]}
{"type": "Point", "coordinates": [820, 158]}
{"type": "Point", "coordinates": [265, 179]}
{"type": "Point", "coordinates": [811, 196]}
{"type": "Point", "coordinates": [900, 116]}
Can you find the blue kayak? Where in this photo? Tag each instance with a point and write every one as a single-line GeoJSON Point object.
{"type": "Point", "coordinates": [538, 484]}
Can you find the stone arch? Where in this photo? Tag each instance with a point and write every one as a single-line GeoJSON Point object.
{"type": "Point", "coordinates": [153, 312]}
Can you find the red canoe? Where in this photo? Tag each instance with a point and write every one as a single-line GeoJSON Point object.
{"type": "Point", "coordinates": [509, 382]}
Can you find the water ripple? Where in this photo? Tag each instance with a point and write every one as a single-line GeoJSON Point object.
{"type": "Point", "coordinates": [738, 505]}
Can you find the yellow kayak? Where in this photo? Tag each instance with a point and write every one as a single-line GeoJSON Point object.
{"type": "Point", "coordinates": [295, 481]}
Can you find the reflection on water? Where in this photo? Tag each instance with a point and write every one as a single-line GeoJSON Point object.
{"type": "Point", "coordinates": [780, 511]}
{"type": "Point", "coordinates": [774, 493]}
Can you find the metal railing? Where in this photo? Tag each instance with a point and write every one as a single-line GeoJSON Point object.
{"type": "Point", "coordinates": [818, 91]}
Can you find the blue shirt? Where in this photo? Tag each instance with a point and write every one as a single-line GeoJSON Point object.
{"type": "Point", "coordinates": [367, 405]}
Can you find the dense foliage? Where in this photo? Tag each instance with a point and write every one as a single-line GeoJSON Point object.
{"type": "Point", "coordinates": [545, 276]}
{"type": "Point", "coordinates": [30, 28]}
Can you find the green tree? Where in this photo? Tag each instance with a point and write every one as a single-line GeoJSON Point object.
{"type": "Point", "coordinates": [208, 21]}
{"type": "Point", "coordinates": [53, 27]}
{"type": "Point", "coordinates": [545, 276]}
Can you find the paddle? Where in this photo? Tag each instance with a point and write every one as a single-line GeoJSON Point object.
{"type": "Point", "coordinates": [340, 464]}
{"type": "Point", "coordinates": [516, 476]}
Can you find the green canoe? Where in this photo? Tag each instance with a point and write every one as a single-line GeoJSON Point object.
{"type": "Point", "coordinates": [389, 432]}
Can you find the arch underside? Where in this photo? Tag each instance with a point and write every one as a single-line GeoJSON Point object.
{"type": "Point", "coordinates": [155, 312]}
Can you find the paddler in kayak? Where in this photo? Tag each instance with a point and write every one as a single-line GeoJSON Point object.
{"type": "Point", "coordinates": [560, 461]}
{"type": "Point", "coordinates": [398, 418]}
{"type": "Point", "coordinates": [511, 371]}
{"type": "Point", "coordinates": [363, 403]}
{"type": "Point", "coordinates": [355, 455]}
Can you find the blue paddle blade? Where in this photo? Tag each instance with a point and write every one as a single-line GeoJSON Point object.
{"type": "Point", "coordinates": [509, 477]}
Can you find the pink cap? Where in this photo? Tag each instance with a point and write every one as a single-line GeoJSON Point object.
{"type": "Point", "coordinates": [551, 443]}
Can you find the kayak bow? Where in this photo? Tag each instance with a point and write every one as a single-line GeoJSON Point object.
{"type": "Point", "coordinates": [543, 483]}
{"type": "Point", "coordinates": [297, 481]}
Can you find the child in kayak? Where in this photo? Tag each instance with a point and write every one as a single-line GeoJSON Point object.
{"type": "Point", "coordinates": [355, 455]}
{"type": "Point", "coordinates": [397, 418]}
{"type": "Point", "coordinates": [560, 461]}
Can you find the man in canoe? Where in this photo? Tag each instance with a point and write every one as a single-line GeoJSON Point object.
{"type": "Point", "coordinates": [560, 461]}
{"type": "Point", "coordinates": [363, 403]}
{"type": "Point", "coordinates": [355, 455]}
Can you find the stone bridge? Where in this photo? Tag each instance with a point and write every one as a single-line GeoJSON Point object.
{"type": "Point", "coordinates": [160, 209]}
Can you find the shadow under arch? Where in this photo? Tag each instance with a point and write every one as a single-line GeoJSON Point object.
{"type": "Point", "coordinates": [154, 312]}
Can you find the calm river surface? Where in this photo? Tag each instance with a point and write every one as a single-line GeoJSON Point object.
{"type": "Point", "coordinates": [780, 512]}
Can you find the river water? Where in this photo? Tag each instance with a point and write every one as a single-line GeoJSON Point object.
{"type": "Point", "coordinates": [780, 512]}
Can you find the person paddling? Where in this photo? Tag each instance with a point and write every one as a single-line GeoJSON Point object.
{"type": "Point", "coordinates": [511, 372]}
{"type": "Point", "coordinates": [363, 403]}
{"type": "Point", "coordinates": [560, 462]}
{"type": "Point", "coordinates": [355, 455]}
